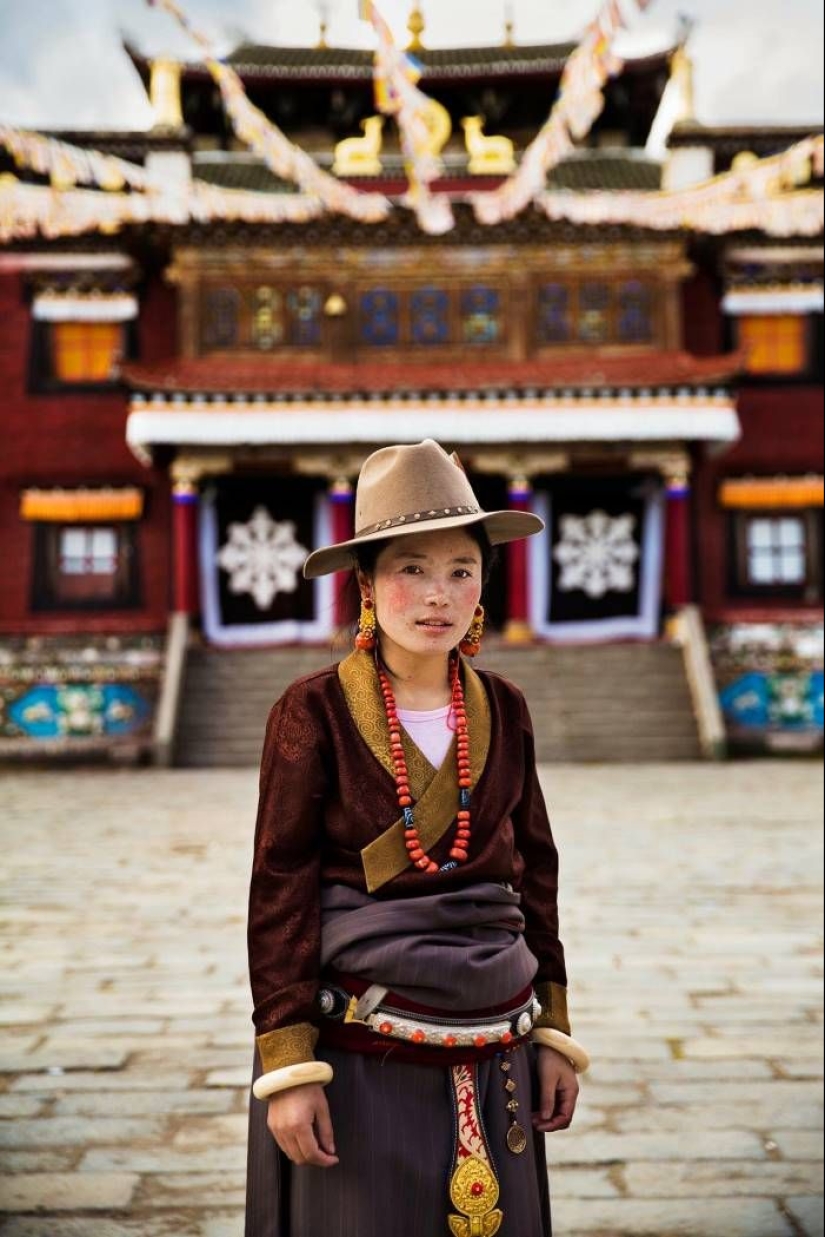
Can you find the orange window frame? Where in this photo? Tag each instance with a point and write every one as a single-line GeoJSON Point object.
{"type": "Point", "coordinates": [774, 343]}
{"type": "Point", "coordinates": [86, 352]}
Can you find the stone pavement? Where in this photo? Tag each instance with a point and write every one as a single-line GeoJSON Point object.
{"type": "Point", "coordinates": [692, 912]}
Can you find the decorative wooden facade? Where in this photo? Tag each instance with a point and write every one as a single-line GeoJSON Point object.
{"type": "Point", "coordinates": [187, 408]}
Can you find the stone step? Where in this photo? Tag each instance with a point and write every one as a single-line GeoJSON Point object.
{"type": "Point", "coordinates": [599, 703]}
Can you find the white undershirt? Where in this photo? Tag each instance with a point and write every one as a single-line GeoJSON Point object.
{"type": "Point", "coordinates": [430, 731]}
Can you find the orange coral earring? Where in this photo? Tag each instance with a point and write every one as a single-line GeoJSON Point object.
{"type": "Point", "coordinates": [471, 644]}
{"type": "Point", "coordinates": [365, 639]}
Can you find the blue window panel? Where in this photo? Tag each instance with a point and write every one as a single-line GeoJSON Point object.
{"type": "Point", "coordinates": [221, 318]}
{"type": "Point", "coordinates": [481, 315]}
{"type": "Point", "coordinates": [635, 316]}
{"type": "Point", "coordinates": [554, 318]}
{"type": "Point", "coordinates": [594, 310]}
{"type": "Point", "coordinates": [380, 318]}
{"type": "Point", "coordinates": [305, 317]}
{"type": "Point", "coordinates": [430, 317]}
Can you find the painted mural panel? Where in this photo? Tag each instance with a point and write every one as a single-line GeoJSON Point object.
{"type": "Point", "coordinates": [770, 679]}
{"type": "Point", "coordinates": [73, 691]}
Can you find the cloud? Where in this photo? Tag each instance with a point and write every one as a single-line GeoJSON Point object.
{"type": "Point", "coordinates": [63, 65]}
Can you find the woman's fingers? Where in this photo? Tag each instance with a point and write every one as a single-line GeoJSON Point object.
{"type": "Point", "coordinates": [300, 1123]}
{"type": "Point", "coordinates": [311, 1153]}
{"type": "Point", "coordinates": [557, 1114]}
{"type": "Point", "coordinates": [559, 1092]}
{"type": "Point", "coordinates": [323, 1128]}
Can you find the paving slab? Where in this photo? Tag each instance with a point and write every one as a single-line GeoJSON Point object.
{"type": "Point", "coordinates": [692, 916]}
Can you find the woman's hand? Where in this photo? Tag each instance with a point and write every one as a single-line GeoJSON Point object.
{"type": "Point", "coordinates": [559, 1091]}
{"type": "Point", "coordinates": [300, 1123]}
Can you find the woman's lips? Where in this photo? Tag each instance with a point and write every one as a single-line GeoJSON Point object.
{"type": "Point", "coordinates": [434, 624]}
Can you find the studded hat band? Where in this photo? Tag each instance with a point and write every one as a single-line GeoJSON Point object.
{"type": "Point", "coordinates": [416, 517]}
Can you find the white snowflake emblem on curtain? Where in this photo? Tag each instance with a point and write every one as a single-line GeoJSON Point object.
{"type": "Point", "coordinates": [263, 558]}
{"type": "Point", "coordinates": [597, 553]}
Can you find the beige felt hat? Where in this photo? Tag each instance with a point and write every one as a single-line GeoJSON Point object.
{"type": "Point", "coordinates": [416, 489]}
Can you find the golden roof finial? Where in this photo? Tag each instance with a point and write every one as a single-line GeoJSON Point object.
{"type": "Point", "coordinates": [323, 16]}
{"type": "Point", "coordinates": [682, 71]}
{"type": "Point", "coordinates": [416, 26]}
{"type": "Point", "coordinates": [164, 93]}
{"type": "Point", "coordinates": [509, 25]}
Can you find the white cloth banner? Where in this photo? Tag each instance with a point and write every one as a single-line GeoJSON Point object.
{"type": "Point", "coordinates": [74, 307]}
{"type": "Point", "coordinates": [766, 302]}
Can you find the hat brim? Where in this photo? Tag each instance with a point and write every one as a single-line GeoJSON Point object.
{"type": "Point", "coordinates": [501, 526]}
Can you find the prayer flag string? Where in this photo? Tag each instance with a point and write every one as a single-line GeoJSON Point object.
{"type": "Point", "coordinates": [579, 103]}
{"type": "Point", "coordinates": [67, 165]}
{"type": "Point", "coordinates": [281, 156]}
{"type": "Point", "coordinates": [397, 94]}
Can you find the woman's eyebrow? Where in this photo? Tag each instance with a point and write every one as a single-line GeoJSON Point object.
{"type": "Point", "coordinates": [467, 559]}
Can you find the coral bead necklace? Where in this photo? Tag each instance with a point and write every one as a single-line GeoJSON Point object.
{"type": "Point", "coordinates": [460, 852]}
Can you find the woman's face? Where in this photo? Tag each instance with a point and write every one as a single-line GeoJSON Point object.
{"type": "Point", "coordinates": [426, 588]}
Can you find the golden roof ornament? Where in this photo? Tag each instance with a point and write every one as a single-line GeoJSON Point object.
{"type": "Point", "coordinates": [509, 25]}
{"type": "Point", "coordinates": [682, 71]}
{"type": "Point", "coordinates": [323, 19]}
{"type": "Point", "coordinates": [164, 94]}
{"type": "Point", "coordinates": [416, 26]}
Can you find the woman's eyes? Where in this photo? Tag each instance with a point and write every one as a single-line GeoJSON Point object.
{"type": "Point", "coordinates": [461, 573]}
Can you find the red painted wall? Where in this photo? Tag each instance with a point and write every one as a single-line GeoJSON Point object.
{"type": "Point", "coordinates": [703, 321]}
{"type": "Point", "coordinates": [74, 440]}
{"type": "Point", "coordinates": [782, 432]}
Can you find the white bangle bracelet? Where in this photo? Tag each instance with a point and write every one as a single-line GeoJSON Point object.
{"type": "Point", "coordinates": [546, 1037]}
{"type": "Point", "coordinates": [292, 1076]}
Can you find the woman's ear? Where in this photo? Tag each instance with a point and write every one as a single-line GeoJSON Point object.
{"type": "Point", "coordinates": [364, 582]}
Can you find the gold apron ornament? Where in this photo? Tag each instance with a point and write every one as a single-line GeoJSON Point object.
{"type": "Point", "coordinates": [516, 1136]}
{"type": "Point", "coordinates": [474, 1187]}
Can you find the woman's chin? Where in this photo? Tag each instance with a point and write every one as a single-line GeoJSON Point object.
{"type": "Point", "coordinates": [436, 638]}
{"type": "Point", "coordinates": [423, 643]}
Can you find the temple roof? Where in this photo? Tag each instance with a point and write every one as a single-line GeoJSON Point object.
{"type": "Point", "coordinates": [594, 372]}
{"type": "Point", "coordinates": [586, 170]}
{"type": "Point", "coordinates": [780, 137]}
{"type": "Point", "coordinates": [728, 141]}
{"type": "Point", "coordinates": [261, 62]}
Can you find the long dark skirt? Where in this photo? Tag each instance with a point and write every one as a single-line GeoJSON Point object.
{"type": "Point", "coordinates": [393, 1128]}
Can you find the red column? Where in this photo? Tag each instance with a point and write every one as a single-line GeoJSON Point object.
{"type": "Point", "coordinates": [678, 581]}
{"type": "Point", "coordinates": [186, 598]}
{"type": "Point", "coordinates": [342, 506]}
{"type": "Point", "coordinates": [518, 629]}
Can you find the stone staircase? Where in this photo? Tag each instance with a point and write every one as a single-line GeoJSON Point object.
{"type": "Point", "coordinates": [591, 703]}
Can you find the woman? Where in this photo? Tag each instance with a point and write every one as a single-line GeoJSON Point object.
{"type": "Point", "coordinates": [408, 980]}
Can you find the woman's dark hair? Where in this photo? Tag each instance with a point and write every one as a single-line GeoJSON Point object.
{"type": "Point", "coordinates": [366, 557]}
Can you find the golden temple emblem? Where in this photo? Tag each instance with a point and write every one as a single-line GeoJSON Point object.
{"type": "Point", "coordinates": [489, 156]}
{"type": "Point", "coordinates": [360, 156]}
{"type": "Point", "coordinates": [439, 124]}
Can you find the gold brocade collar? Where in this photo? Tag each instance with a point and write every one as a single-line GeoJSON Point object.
{"type": "Point", "coordinates": [435, 791]}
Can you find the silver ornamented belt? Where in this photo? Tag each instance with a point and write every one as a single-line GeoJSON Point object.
{"type": "Point", "coordinates": [426, 1030]}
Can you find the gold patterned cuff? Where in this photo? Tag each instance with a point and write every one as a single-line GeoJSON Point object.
{"type": "Point", "coordinates": [290, 1046]}
{"type": "Point", "coordinates": [553, 1000]}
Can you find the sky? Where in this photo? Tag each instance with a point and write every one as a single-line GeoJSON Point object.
{"type": "Point", "coordinates": [62, 63]}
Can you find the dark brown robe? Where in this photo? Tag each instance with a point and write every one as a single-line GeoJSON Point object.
{"type": "Point", "coordinates": [327, 795]}
{"type": "Point", "coordinates": [324, 798]}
